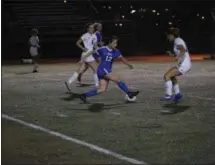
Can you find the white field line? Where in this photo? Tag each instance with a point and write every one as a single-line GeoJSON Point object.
{"type": "Point", "coordinates": [71, 139]}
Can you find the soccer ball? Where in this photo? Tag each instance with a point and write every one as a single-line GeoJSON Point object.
{"type": "Point", "coordinates": [130, 100]}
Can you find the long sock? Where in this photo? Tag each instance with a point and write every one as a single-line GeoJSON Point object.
{"type": "Point", "coordinates": [168, 85]}
{"type": "Point", "coordinates": [96, 79]}
{"type": "Point", "coordinates": [176, 88]}
{"type": "Point", "coordinates": [91, 93]}
{"type": "Point", "coordinates": [73, 78]}
{"type": "Point", "coordinates": [35, 66]}
{"type": "Point", "coordinates": [123, 87]}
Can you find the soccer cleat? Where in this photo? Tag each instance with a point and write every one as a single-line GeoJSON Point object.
{"type": "Point", "coordinates": [67, 86]}
{"type": "Point", "coordinates": [178, 97]}
{"type": "Point", "coordinates": [35, 71]}
{"type": "Point", "coordinates": [83, 98]}
{"type": "Point", "coordinates": [167, 98]}
{"type": "Point", "coordinates": [132, 94]}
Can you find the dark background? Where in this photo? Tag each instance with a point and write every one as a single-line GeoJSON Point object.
{"type": "Point", "coordinates": [61, 23]}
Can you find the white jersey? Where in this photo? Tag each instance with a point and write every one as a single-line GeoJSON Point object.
{"type": "Point", "coordinates": [34, 41]}
{"type": "Point", "coordinates": [184, 61]}
{"type": "Point", "coordinates": [89, 40]}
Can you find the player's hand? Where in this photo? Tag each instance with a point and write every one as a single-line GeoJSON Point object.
{"type": "Point", "coordinates": [101, 43]}
{"type": "Point", "coordinates": [85, 49]}
{"type": "Point", "coordinates": [130, 66]}
{"type": "Point", "coordinates": [169, 53]}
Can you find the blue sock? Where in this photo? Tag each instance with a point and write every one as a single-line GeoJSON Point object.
{"type": "Point", "coordinates": [91, 93]}
{"type": "Point", "coordinates": [123, 87]}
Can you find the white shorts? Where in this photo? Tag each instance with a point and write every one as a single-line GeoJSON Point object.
{"type": "Point", "coordinates": [184, 67]}
{"type": "Point", "coordinates": [33, 51]}
{"type": "Point", "coordinates": [88, 59]}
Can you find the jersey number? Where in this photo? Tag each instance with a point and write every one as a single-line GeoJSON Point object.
{"type": "Point", "coordinates": [108, 58]}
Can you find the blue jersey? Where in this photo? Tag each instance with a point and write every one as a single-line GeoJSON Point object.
{"type": "Point", "coordinates": [99, 37]}
{"type": "Point", "coordinates": [107, 56]}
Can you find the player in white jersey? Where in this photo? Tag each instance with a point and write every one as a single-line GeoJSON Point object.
{"type": "Point", "coordinates": [34, 45]}
{"type": "Point", "coordinates": [89, 41]}
{"type": "Point", "coordinates": [183, 65]}
{"type": "Point", "coordinates": [98, 30]}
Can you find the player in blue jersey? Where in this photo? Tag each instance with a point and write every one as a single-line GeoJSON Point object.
{"type": "Point", "coordinates": [107, 55]}
{"type": "Point", "coordinates": [98, 30]}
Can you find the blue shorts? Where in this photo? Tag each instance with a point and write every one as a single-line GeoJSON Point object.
{"type": "Point", "coordinates": [101, 72]}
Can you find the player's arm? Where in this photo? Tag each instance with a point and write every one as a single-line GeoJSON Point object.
{"type": "Point", "coordinates": [78, 44]}
{"type": "Point", "coordinates": [96, 45]}
{"type": "Point", "coordinates": [30, 44]}
{"type": "Point", "coordinates": [38, 41]}
{"type": "Point", "coordinates": [182, 50]}
{"type": "Point", "coordinates": [101, 42]}
{"type": "Point", "coordinates": [170, 53]}
{"type": "Point", "coordinates": [125, 61]}
{"type": "Point", "coordinates": [93, 52]}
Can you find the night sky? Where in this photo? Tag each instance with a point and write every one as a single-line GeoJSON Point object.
{"type": "Point", "coordinates": [140, 25]}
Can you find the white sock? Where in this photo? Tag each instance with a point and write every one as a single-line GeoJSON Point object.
{"type": "Point", "coordinates": [96, 79]}
{"type": "Point", "coordinates": [176, 88]}
{"type": "Point", "coordinates": [168, 85]}
{"type": "Point", "coordinates": [73, 78]}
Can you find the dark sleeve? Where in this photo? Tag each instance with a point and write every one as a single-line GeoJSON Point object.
{"type": "Point", "coordinates": [97, 54]}
{"type": "Point", "coordinates": [98, 37]}
{"type": "Point", "coordinates": [118, 54]}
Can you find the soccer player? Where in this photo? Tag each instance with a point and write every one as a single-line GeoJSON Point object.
{"type": "Point", "coordinates": [107, 55]}
{"type": "Point", "coordinates": [98, 29]}
{"type": "Point", "coordinates": [90, 42]}
{"type": "Point", "coordinates": [183, 65]}
{"type": "Point", "coordinates": [34, 45]}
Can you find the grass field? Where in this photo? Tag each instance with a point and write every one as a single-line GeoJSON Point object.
{"type": "Point", "coordinates": [139, 130]}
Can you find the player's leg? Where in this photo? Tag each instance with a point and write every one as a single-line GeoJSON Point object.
{"type": "Point", "coordinates": [182, 69]}
{"type": "Point", "coordinates": [175, 84]}
{"type": "Point", "coordinates": [176, 89]}
{"type": "Point", "coordinates": [103, 84]}
{"type": "Point", "coordinates": [93, 65]}
{"type": "Point", "coordinates": [115, 78]}
{"type": "Point", "coordinates": [173, 72]}
{"type": "Point", "coordinates": [84, 70]}
{"type": "Point", "coordinates": [75, 76]}
{"type": "Point", "coordinates": [35, 59]}
{"type": "Point", "coordinates": [34, 56]}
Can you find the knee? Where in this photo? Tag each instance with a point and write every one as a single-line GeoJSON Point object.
{"type": "Point", "coordinates": [166, 77]}
{"type": "Point", "coordinates": [116, 80]}
{"type": "Point", "coordinates": [86, 67]}
{"type": "Point", "coordinates": [174, 80]}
